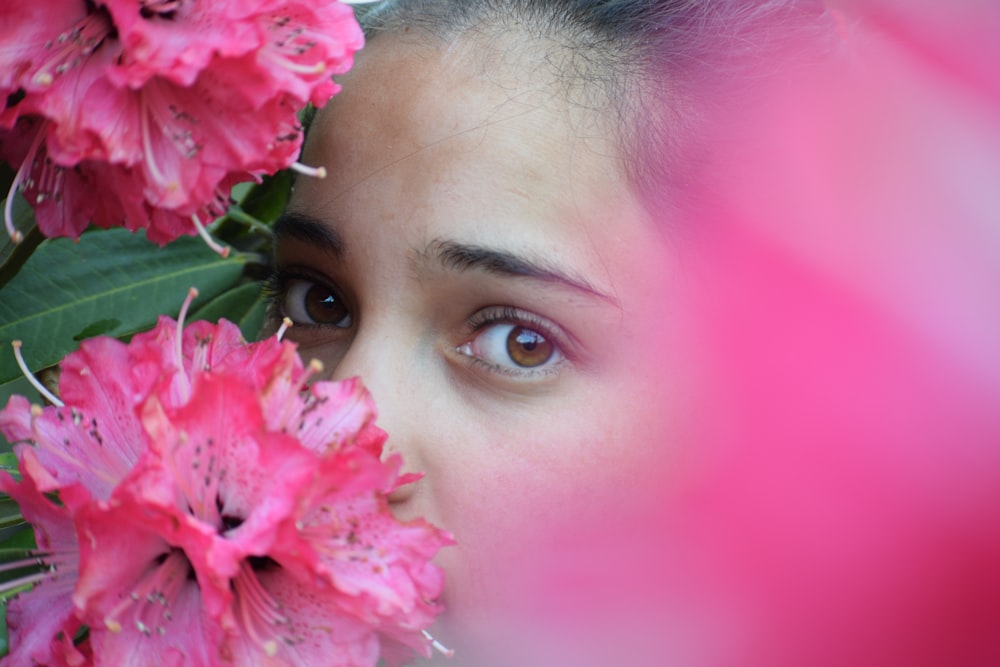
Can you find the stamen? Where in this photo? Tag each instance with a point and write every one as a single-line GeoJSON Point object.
{"type": "Point", "coordinates": [256, 604]}
{"type": "Point", "coordinates": [293, 66]}
{"type": "Point", "coordinates": [179, 341]}
{"type": "Point", "coordinates": [258, 597]}
{"type": "Point", "coordinates": [287, 409]}
{"type": "Point", "coordinates": [155, 592]}
{"type": "Point", "coordinates": [33, 561]}
{"type": "Point", "coordinates": [8, 213]}
{"type": "Point", "coordinates": [147, 148]}
{"type": "Point", "coordinates": [315, 172]}
{"type": "Point", "coordinates": [286, 323]}
{"type": "Point", "coordinates": [222, 250]}
{"type": "Point", "coordinates": [191, 296]}
{"type": "Point", "coordinates": [73, 47]}
{"type": "Point", "coordinates": [48, 395]}
{"type": "Point", "coordinates": [56, 568]}
{"type": "Point", "coordinates": [438, 646]}
{"type": "Point", "coordinates": [314, 367]}
{"type": "Point", "coordinates": [8, 206]}
{"type": "Point", "coordinates": [20, 585]}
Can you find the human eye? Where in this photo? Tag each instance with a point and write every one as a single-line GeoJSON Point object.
{"type": "Point", "coordinates": [513, 343]}
{"type": "Point", "coordinates": [308, 301]}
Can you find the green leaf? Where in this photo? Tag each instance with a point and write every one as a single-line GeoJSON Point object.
{"type": "Point", "coordinates": [20, 537]}
{"type": "Point", "coordinates": [8, 554]}
{"type": "Point", "coordinates": [111, 282]}
{"type": "Point", "coordinates": [14, 255]}
{"type": "Point", "coordinates": [247, 224]}
{"type": "Point", "coordinates": [8, 463]}
{"type": "Point", "coordinates": [267, 200]}
{"type": "Point", "coordinates": [10, 513]}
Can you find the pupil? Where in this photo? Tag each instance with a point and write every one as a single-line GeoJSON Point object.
{"type": "Point", "coordinates": [527, 341]}
{"type": "Point", "coordinates": [324, 307]}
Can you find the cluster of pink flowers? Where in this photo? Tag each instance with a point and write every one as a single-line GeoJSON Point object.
{"type": "Point", "coordinates": [212, 509]}
{"type": "Point", "coordinates": [144, 113]}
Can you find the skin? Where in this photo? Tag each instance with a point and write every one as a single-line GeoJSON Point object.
{"type": "Point", "coordinates": [457, 195]}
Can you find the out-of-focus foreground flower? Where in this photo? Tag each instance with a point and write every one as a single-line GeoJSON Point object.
{"type": "Point", "coordinates": [144, 113]}
{"type": "Point", "coordinates": [195, 503]}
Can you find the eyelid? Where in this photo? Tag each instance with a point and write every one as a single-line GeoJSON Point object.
{"type": "Point", "coordinates": [508, 315]}
{"type": "Point", "coordinates": [526, 318]}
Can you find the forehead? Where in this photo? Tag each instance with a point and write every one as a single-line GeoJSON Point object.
{"type": "Point", "coordinates": [412, 93]}
{"type": "Point", "coordinates": [468, 140]}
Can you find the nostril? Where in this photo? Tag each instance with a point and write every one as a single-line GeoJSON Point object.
{"type": "Point", "coordinates": [406, 487]}
{"type": "Point", "coordinates": [401, 494]}
{"type": "Point", "coordinates": [408, 482]}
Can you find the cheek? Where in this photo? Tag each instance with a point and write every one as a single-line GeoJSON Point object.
{"type": "Point", "coordinates": [552, 501]}
{"type": "Point", "coordinates": [550, 528]}
{"type": "Point", "coordinates": [520, 495]}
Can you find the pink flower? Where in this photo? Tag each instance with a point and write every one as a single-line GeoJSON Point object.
{"type": "Point", "coordinates": [38, 623]}
{"type": "Point", "coordinates": [138, 594]}
{"type": "Point", "coordinates": [214, 510]}
{"type": "Point", "coordinates": [172, 101]}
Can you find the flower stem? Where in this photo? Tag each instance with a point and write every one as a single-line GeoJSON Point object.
{"type": "Point", "coordinates": [242, 217]}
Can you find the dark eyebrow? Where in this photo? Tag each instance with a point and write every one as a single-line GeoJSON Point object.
{"type": "Point", "coordinates": [307, 229]}
{"type": "Point", "coordinates": [463, 257]}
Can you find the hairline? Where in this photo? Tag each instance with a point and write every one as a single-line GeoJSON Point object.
{"type": "Point", "coordinates": [611, 89]}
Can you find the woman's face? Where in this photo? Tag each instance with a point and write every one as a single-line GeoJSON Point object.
{"type": "Point", "coordinates": [477, 256]}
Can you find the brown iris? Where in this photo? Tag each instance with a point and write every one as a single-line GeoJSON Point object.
{"type": "Point", "coordinates": [324, 307]}
{"type": "Point", "coordinates": [528, 348]}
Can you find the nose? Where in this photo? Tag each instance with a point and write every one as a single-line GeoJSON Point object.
{"type": "Point", "coordinates": [385, 365]}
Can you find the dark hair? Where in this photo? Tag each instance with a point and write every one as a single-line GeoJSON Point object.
{"type": "Point", "coordinates": [667, 69]}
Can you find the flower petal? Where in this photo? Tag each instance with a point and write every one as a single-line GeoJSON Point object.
{"type": "Point", "coordinates": [137, 594]}
{"type": "Point", "coordinates": [281, 620]}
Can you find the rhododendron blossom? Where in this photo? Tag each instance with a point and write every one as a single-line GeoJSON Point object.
{"type": "Point", "coordinates": [164, 104]}
{"type": "Point", "coordinates": [214, 507]}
